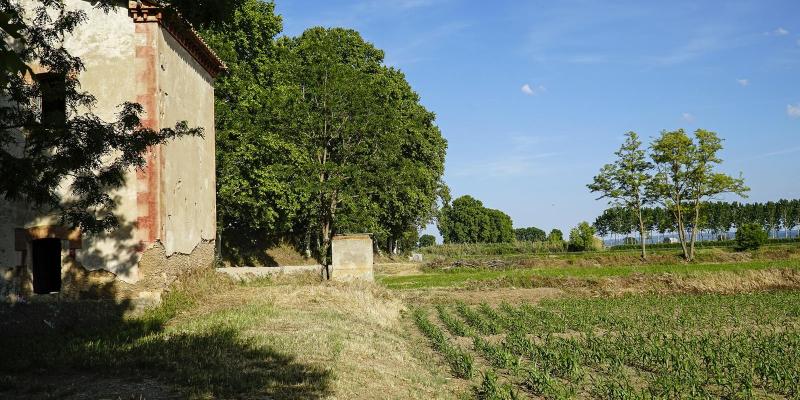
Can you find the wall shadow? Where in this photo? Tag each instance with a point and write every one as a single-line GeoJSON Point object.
{"type": "Point", "coordinates": [46, 342]}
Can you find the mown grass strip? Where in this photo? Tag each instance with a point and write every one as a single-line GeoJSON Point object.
{"type": "Point", "coordinates": [461, 362]}
{"type": "Point", "coordinates": [519, 276]}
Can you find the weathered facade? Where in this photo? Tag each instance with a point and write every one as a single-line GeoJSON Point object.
{"type": "Point", "coordinates": [167, 210]}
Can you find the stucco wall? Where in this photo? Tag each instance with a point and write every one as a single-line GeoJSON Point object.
{"type": "Point", "coordinates": [106, 45]}
{"type": "Point", "coordinates": [188, 185]}
{"type": "Point", "coordinates": [172, 200]}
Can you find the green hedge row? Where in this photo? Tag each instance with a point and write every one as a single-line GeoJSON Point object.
{"type": "Point", "coordinates": [703, 244]}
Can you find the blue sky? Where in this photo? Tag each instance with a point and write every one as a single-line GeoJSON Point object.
{"type": "Point", "coordinates": [534, 96]}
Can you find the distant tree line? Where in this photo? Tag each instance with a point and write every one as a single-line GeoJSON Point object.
{"type": "Point", "coordinates": [716, 219]}
{"type": "Point", "coordinates": [534, 234]}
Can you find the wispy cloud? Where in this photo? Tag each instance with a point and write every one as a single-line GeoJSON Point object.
{"type": "Point", "coordinates": [524, 155]}
{"type": "Point", "coordinates": [417, 48]}
{"type": "Point", "coordinates": [511, 166]}
{"type": "Point", "coordinates": [780, 31]}
{"type": "Point", "coordinates": [693, 49]}
{"type": "Point", "coordinates": [388, 5]}
{"type": "Point", "coordinates": [780, 152]}
{"type": "Point", "coordinates": [688, 117]}
{"type": "Point", "coordinates": [793, 110]}
{"type": "Point", "coordinates": [532, 90]}
{"type": "Point", "coordinates": [743, 82]}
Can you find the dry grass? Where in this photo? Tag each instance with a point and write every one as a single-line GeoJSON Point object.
{"type": "Point", "coordinates": [212, 338]}
{"type": "Point", "coordinates": [722, 282]}
{"type": "Point", "coordinates": [357, 332]}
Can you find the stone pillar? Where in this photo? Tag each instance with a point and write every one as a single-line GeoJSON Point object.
{"type": "Point", "coordinates": [351, 257]}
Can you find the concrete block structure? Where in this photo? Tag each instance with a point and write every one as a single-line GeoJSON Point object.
{"type": "Point", "coordinates": [351, 258]}
{"type": "Point", "coordinates": [137, 53]}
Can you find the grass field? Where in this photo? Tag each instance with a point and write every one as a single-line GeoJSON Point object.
{"type": "Point", "coordinates": [644, 346]}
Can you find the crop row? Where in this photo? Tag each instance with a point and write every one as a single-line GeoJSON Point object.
{"type": "Point", "coordinates": [461, 362]}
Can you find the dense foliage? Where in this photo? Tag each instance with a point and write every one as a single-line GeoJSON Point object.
{"type": "Point", "coordinates": [750, 237]}
{"type": "Point", "coordinates": [555, 236]}
{"type": "Point", "coordinates": [427, 240]}
{"type": "Point", "coordinates": [466, 220]}
{"type": "Point", "coordinates": [315, 136]}
{"type": "Point", "coordinates": [531, 234]}
{"type": "Point", "coordinates": [582, 238]}
{"type": "Point", "coordinates": [56, 155]}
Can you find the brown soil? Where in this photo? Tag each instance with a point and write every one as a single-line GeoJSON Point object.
{"type": "Point", "coordinates": [492, 296]}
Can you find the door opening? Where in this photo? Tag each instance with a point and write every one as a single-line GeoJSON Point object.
{"type": "Point", "coordinates": [46, 265]}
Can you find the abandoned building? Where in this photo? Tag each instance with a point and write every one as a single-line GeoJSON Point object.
{"type": "Point", "coordinates": [167, 210]}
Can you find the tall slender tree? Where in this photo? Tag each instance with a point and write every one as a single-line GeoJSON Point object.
{"type": "Point", "coordinates": [624, 181]}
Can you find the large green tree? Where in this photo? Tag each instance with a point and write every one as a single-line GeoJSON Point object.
{"type": "Point", "coordinates": [407, 179]}
{"type": "Point", "coordinates": [686, 176]}
{"type": "Point", "coordinates": [466, 220]}
{"type": "Point", "coordinates": [259, 201]}
{"type": "Point", "coordinates": [315, 135]}
{"type": "Point", "coordinates": [624, 181]}
{"type": "Point", "coordinates": [530, 234]}
{"type": "Point", "coordinates": [370, 155]}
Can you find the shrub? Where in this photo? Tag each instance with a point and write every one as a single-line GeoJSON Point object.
{"type": "Point", "coordinates": [555, 236]}
{"type": "Point", "coordinates": [581, 238]}
{"type": "Point", "coordinates": [750, 237]}
{"type": "Point", "coordinates": [427, 240]}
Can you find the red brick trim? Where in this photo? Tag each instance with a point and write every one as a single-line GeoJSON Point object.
{"type": "Point", "coordinates": [148, 179]}
{"type": "Point", "coordinates": [148, 12]}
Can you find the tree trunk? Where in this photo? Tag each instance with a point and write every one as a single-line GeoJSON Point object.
{"type": "Point", "coordinates": [694, 228]}
{"type": "Point", "coordinates": [326, 241]}
{"type": "Point", "coordinates": [307, 244]}
{"type": "Point", "coordinates": [641, 231]}
{"type": "Point", "coordinates": [681, 232]}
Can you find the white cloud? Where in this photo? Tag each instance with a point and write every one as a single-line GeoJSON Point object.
{"type": "Point", "coordinates": [743, 82]}
{"type": "Point", "coordinates": [532, 90]}
{"type": "Point", "coordinates": [780, 32]}
{"type": "Point", "coordinates": [687, 117]}
{"type": "Point", "coordinates": [793, 110]}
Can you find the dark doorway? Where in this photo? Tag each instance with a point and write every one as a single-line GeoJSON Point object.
{"type": "Point", "coordinates": [46, 265]}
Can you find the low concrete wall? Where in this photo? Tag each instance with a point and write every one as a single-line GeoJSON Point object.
{"type": "Point", "coordinates": [248, 273]}
{"type": "Point", "coordinates": [351, 257]}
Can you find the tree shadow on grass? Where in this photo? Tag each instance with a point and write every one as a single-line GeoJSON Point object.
{"type": "Point", "coordinates": [46, 344]}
